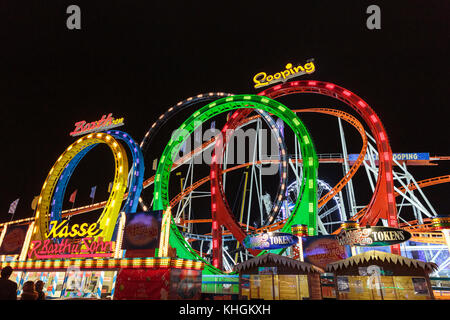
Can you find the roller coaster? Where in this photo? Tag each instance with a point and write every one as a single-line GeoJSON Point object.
{"type": "Point", "coordinates": [305, 199]}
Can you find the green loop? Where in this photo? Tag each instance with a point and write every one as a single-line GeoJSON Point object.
{"type": "Point", "coordinates": [305, 210]}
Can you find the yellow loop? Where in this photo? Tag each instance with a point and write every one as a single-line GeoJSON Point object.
{"type": "Point", "coordinates": [111, 210]}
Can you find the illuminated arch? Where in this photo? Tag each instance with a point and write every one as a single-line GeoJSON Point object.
{"type": "Point", "coordinates": [382, 204]}
{"type": "Point", "coordinates": [308, 203]}
{"type": "Point", "coordinates": [111, 210]}
{"type": "Point", "coordinates": [135, 180]}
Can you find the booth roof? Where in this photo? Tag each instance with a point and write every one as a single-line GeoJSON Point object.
{"type": "Point", "coordinates": [279, 260]}
{"type": "Point", "coordinates": [382, 256]}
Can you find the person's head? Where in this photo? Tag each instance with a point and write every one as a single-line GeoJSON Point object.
{"type": "Point", "coordinates": [6, 272]}
{"type": "Point", "coordinates": [28, 286]}
{"type": "Point", "coordinates": [39, 285]}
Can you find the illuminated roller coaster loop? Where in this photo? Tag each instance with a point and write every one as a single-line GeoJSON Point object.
{"type": "Point", "coordinates": [111, 210]}
{"type": "Point", "coordinates": [216, 168]}
{"type": "Point", "coordinates": [134, 184]}
{"type": "Point", "coordinates": [208, 97]}
{"type": "Point", "coordinates": [201, 98]}
{"type": "Point", "coordinates": [308, 203]}
{"type": "Point", "coordinates": [382, 204]}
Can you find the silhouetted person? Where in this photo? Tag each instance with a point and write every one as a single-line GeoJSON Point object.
{"type": "Point", "coordinates": [8, 288]}
{"type": "Point", "coordinates": [39, 286]}
{"type": "Point", "coordinates": [28, 292]}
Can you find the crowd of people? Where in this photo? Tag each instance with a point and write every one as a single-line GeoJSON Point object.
{"type": "Point", "coordinates": [30, 290]}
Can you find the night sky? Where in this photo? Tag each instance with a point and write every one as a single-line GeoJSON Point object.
{"type": "Point", "coordinates": [136, 59]}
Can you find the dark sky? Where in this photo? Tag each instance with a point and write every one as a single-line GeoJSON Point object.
{"type": "Point", "coordinates": [138, 58]}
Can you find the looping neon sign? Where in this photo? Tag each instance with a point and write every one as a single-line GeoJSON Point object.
{"type": "Point", "coordinates": [261, 79]}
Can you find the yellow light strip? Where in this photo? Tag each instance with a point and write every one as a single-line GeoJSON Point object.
{"type": "Point", "coordinates": [111, 263]}
{"type": "Point", "coordinates": [3, 235]}
{"type": "Point", "coordinates": [118, 249]}
{"type": "Point", "coordinates": [165, 232]}
{"type": "Point", "coordinates": [26, 244]}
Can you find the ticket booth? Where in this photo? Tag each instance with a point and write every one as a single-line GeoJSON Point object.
{"type": "Point", "coordinates": [63, 280]}
{"type": "Point", "coordinates": [97, 278]}
{"type": "Point", "coordinates": [275, 277]}
{"type": "Point", "coordinates": [377, 275]}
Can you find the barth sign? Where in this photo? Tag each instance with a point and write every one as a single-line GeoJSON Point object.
{"type": "Point", "coordinates": [105, 123]}
{"type": "Point", "coordinates": [373, 236]}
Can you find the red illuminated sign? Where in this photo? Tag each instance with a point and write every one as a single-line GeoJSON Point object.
{"type": "Point", "coordinates": [86, 248]}
{"type": "Point", "coordinates": [105, 123]}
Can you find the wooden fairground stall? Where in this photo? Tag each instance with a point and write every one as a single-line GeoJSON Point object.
{"type": "Point", "coordinates": [377, 275]}
{"type": "Point", "coordinates": [275, 277]}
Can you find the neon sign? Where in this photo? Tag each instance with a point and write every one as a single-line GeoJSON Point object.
{"type": "Point", "coordinates": [261, 79]}
{"type": "Point", "coordinates": [60, 242]}
{"type": "Point", "coordinates": [86, 248]}
{"type": "Point", "coordinates": [61, 230]}
{"type": "Point", "coordinates": [373, 236]}
{"type": "Point", "coordinates": [105, 123]}
{"type": "Point", "coordinates": [270, 240]}
{"type": "Point", "coordinates": [396, 156]}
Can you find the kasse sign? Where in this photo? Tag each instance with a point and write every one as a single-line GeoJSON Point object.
{"type": "Point", "coordinates": [373, 236]}
{"type": "Point", "coordinates": [270, 240]}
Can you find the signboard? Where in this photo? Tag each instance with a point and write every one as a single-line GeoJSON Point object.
{"type": "Point", "coordinates": [60, 229]}
{"type": "Point", "coordinates": [373, 236]}
{"type": "Point", "coordinates": [396, 156]}
{"type": "Point", "coordinates": [13, 241]}
{"type": "Point", "coordinates": [105, 123]}
{"type": "Point", "coordinates": [322, 250]}
{"type": "Point", "coordinates": [76, 241]}
{"type": "Point", "coordinates": [270, 241]}
{"type": "Point", "coordinates": [142, 230]}
{"type": "Point", "coordinates": [261, 79]}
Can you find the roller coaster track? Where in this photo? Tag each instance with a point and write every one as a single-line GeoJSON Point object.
{"type": "Point", "coordinates": [308, 193]}
{"type": "Point", "coordinates": [382, 204]}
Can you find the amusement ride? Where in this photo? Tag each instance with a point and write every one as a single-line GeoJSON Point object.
{"type": "Point", "coordinates": [296, 195]}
